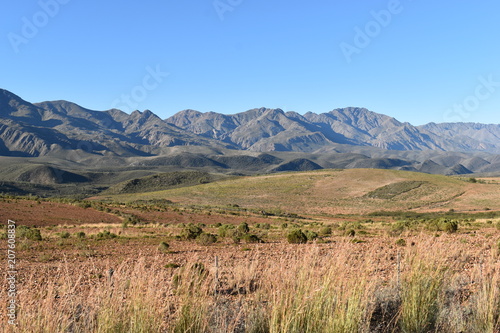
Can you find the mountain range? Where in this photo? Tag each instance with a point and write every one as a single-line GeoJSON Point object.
{"type": "Point", "coordinates": [257, 140]}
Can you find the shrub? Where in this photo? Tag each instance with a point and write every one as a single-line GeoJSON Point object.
{"type": "Point", "coordinates": [325, 231]}
{"type": "Point", "coordinates": [224, 230]}
{"type": "Point", "coordinates": [163, 247]}
{"type": "Point", "coordinates": [191, 232]}
{"type": "Point", "coordinates": [311, 235]}
{"type": "Point", "coordinates": [106, 235]}
{"type": "Point", "coordinates": [28, 233]}
{"type": "Point", "coordinates": [206, 239]}
{"type": "Point", "coordinates": [401, 242]}
{"type": "Point", "coordinates": [172, 265]}
{"type": "Point", "coordinates": [64, 234]}
{"type": "Point", "coordinates": [296, 237]}
{"type": "Point", "coordinates": [350, 233]}
{"type": "Point", "coordinates": [244, 228]}
{"type": "Point", "coordinates": [80, 234]}
{"type": "Point", "coordinates": [235, 234]}
{"type": "Point", "coordinates": [449, 226]}
{"type": "Point", "coordinates": [249, 238]}
{"type": "Point", "coordinates": [85, 204]}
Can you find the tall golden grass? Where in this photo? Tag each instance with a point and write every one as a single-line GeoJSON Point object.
{"type": "Point", "coordinates": [437, 285]}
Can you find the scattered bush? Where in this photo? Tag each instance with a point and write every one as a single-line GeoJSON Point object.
{"type": "Point", "coordinates": [106, 234]}
{"type": "Point", "coordinates": [449, 226]}
{"type": "Point", "coordinates": [172, 265]}
{"type": "Point", "coordinates": [244, 228]}
{"type": "Point", "coordinates": [206, 239]}
{"type": "Point", "coordinates": [80, 234]}
{"type": "Point", "coordinates": [224, 230]}
{"type": "Point", "coordinates": [296, 237]}
{"type": "Point", "coordinates": [325, 231]}
{"type": "Point", "coordinates": [64, 234]}
{"type": "Point", "coordinates": [311, 235]}
{"type": "Point", "coordinates": [191, 232]}
{"type": "Point", "coordinates": [28, 233]}
{"type": "Point", "coordinates": [249, 238]}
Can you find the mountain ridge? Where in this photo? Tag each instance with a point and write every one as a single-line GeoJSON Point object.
{"type": "Point", "coordinates": [351, 137]}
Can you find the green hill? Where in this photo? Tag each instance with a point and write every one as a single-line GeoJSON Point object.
{"type": "Point", "coordinates": [162, 181]}
{"type": "Point", "coordinates": [352, 191]}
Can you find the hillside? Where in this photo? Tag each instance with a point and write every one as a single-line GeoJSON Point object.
{"type": "Point", "coordinates": [354, 191]}
{"type": "Point", "coordinates": [162, 181]}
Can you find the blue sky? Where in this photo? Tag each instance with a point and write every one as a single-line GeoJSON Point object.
{"type": "Point", "coordinates": [416, 60]}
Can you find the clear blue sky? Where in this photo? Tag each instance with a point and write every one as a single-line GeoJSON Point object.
{"type": "Point", "coordinates": [421, 64]}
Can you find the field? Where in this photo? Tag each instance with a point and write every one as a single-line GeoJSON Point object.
{"type": "Point", "coordinates": [324, 251]}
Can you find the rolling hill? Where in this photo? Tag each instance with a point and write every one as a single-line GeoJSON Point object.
{"type": "Point", "coordinates": [354, 191]}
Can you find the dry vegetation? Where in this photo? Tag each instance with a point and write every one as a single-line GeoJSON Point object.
{"type": "Point", "coordinates": [158, 266]}
{"type": "Point", "coordinates": [336, 192]}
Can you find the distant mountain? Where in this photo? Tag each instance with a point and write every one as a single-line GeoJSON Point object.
{"type": "Point", "coordinates": [274, 130]}
{"type": "Point", "coordinates": [256, 140]}
{"type": "Point", "coordinates": [42, 128]}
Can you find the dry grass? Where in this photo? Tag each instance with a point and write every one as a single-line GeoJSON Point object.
{"type": "Point", "coordinates": [334, 191]}
{"type": "Point", "coordinates": [441, 285]}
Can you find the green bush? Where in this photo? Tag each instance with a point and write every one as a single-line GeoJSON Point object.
{"type": "Point", "coordinates": [80, 234]}
{"type": "Point", "coordinates": [163, 247]}
{"type": "Point", "coordinates": [191, 232]}
{"type": "Point", "coordinates": [401, 242]}
{"type": "Point", "coordinates": [224, 230]}
{"type": "Point", "coordinates": [105, 234]}
{"type": "Point", "coordinates": [350, 233]}
{"type": "Point", "coordinates": [206, 239]}
{"type": "Point", "coordinates": [64, 234]}
{"type": "Point", "coordinates": [244, 228]}
{"type": "Point", "coordinates": [311, 235]}
{"type": "Point", "coordinates": [449, 226]}
{"type": "Point", "coordinates": [325, 231]}
{"type": "Point", "coordinates": [296, 237]}
{"type": "Point", "coordinates": [28, 233]}
{"type": "Point", "coordinates": [249, 238]}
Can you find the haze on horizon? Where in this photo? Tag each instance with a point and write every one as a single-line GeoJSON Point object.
{"type": "Point", "coordinates": [417, 61]}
